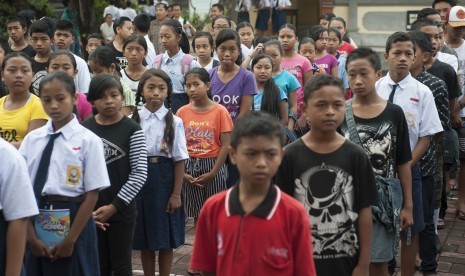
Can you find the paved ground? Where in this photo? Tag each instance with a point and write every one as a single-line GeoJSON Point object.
{"type": "Point", "coordinates": [451, 260]}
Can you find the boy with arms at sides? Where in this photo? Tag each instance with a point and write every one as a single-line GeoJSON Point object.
{"type": "Point", "coordinates": [16, 27]}
{"type": "Point", "coordinates": [63, 39]}
{"type": "Point", "coordinates": [383, 132]}
{"type": "Point", "coordinates": [334, 180]}
{"type": "Point", "coordinates": [41, 39]}
{"type": "Point", "coordinates": [431, 163]}
{"type": "Point", "coordinates": [253, 228]}
{"type": "Point", "coordinates": [417, 102]}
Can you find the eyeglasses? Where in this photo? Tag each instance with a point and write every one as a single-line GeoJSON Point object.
{"type": "Point", "coordinates": [221, 27]}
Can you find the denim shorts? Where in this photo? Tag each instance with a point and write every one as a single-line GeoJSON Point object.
{"type": "Point", "coordinates": [382, 244]}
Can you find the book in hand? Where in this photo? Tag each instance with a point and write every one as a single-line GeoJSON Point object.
{"type": "Point", "coordinates": [52, 226]}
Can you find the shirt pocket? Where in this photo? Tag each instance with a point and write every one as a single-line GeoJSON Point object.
{"type": "Point", "coordinates": [277, 264]}
{"type": "Point", "coordinates": [73, 171]}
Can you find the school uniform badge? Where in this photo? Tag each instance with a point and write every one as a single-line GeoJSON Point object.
{"type": "Point", "coordinates": [73, 175]}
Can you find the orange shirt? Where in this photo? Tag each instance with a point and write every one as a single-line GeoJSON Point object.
{"type": "Point", "coordinates": [203, 129]}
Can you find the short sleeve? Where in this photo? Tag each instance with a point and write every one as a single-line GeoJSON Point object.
{"type": "Point", "coordinates": [249, 85]}
{"type": "Point", "coordinates": [37, 110]}
{"type": "Point", "coordinates": [306, 66]}
{"type": "Point", "coordinates": [293, 82]}
{"type": "Point", "coordinates": [83, 106]}
{"type": "Point", "coordinates": [179, 151]}
{"type": "Point", "coordinates": [226, 121]}
{"type": "Point", "coordinates": [452, 82]}
{"type": "Point", "coordinates": [16, 194]}
{"type": "Point", "coordinates": [95, 168]}
{"type": "Point", "coordinates": [284, 176]}
{"type": "Point", "coordinates": [403, 151]}
{"type": "Point", "coordinates": [333, 63]}
{"type": "Point", "coordinates": [282, 95]}
{"type": "Point", "coordinates": [429, 121]}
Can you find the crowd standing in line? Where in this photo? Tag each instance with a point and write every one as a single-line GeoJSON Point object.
{"type": "Point", "coordinates": [296, 147]}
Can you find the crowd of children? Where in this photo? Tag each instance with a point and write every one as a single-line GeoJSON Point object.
{"type": "Point", "coordinates": [294, 156]}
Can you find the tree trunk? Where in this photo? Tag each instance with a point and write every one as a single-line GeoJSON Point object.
{"type": "Point", "coordinates": [86, 17]}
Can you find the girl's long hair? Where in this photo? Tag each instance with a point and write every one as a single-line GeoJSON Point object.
{"type": "Point", "coordinates": [270, 99]}
{"type": "Point", "coordinates": [168, 132]}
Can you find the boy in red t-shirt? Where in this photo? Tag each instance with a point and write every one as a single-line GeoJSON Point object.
{"type": "Point", "coordinates": [254, 228]}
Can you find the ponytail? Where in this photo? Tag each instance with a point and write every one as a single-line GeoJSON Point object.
{"type": "Point", "coordinates": [271, 98]}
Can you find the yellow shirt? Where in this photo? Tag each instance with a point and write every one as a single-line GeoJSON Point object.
{"type": "Point", "coordinates": [15, 123]}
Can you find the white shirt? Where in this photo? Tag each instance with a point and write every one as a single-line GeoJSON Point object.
{"type": "Point", "coordinates": [461, 71]}
{"type": "Point", "coordinates": [16, 194]}
{"type": "Point", "coordinates": [107, 31]}
{"type": "Point", "coordinates": [77, 163]}
{"type": "Point", "coordinates": [114, 11]}
{"type": "Point", "coordinates": [150, 57]}
{"type": "Point", "coordinates": [173, 67]}
{"type": "Point", "coordinates": [417, 102]}
{"type": "Point", "coordinates": [244, 7]}
{"type": "Point", "coordinates": [153, 125]}
{"type": "Point", "coordinates": [129, 12]}
{"type": "Point", "coordinates": [131, 83]}
{"type": "Point", "coordinates": [449, 59]}
{"type": "Point", "coordinates": [281, 3]}
{"type": "Point", "coordinates": [210, 65]}
{"type": "Point", "coordinates": [82, 79]}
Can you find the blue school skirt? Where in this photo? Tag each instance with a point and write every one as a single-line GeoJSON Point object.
{"type": "Point", "coordinates": [155, 228]}
{"type": "Point", "coordinates": [262, 20]}
{"type": "Point", "coordinates": [279, 19]}
{"type": "Point", "coordinates": [85, 259]}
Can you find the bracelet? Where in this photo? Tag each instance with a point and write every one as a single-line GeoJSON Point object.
{"type": "Point", "coordinates": [175, 196]}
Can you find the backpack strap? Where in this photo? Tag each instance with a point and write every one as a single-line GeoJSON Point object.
{"type": "Point", "coordinates": [216, 63]}
{"type": "Point", "coordinates": [157, 63]}
{"type": "Point", "coordinates": [186, 63]}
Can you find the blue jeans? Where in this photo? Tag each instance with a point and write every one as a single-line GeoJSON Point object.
{"type": "Point", "coordinates": [427, 237]}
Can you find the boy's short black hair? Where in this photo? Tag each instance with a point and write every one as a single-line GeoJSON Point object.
{"type": "Point", "coordinates": [423, 13]}
{"type": "Point", "coordinates": [398, 37]}
{"type": "Point", "coordinates": [422, 41]}
{"type": "Point", "coordinates": [256, 123]}
{"type": "Point", "coordinates": [16, 18]}
{"type": "Point", "coordinates": [99, 36]}
{"type": "Point", "coordinates": [425, 21]}
{"type": "Point", "coordinates": [142, 22]}
{"type": "Point", "coordinates": [119, 23]}
{"type": "Point", "coordinates": [452, 3]}
{"type": "Point", "coordinates": [317, 82]}
{"type": "Point", "coordinates": [219, 6]}
{"type": "Point", "coordinates": [366, 53]}
{"type": "Point", "coordinates": [175, 5]}
{"type": "Point", "coordinates": [64, 25]}
{"type": "Point", "coordinates": [41, 26]}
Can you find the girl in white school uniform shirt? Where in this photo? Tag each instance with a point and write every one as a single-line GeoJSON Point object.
{"type": "Point", "coordinates": [160, 221]}
{"type": "Point", "coordinates": [176, 61]}
{"type": "Point", "coordinates": [75, 174]}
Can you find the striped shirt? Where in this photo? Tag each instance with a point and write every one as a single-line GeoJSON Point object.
{"type": "Point", "coordinates": [441, 99]}
{"type": "Point", "coordinates": [126, 158]}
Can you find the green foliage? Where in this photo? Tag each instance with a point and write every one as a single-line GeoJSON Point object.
{"type": "Point", "coordinates": [197, 20]}
{"type": "Point", "coordinates": [8, 8]}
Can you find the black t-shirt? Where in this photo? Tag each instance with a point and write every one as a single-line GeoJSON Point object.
{"type": "Point", "coordinates": [39, 73]}
{"type": "Point", "coordinates": [446, 73]}
{"type": "Point", "coordinates": [122, 61]}
{"type": "Point", "coordinates": [29, 50]}
{"type": "Point", "coordinates": [333, 188]}
{"type": "Point", "coordinates": [123, 143]}
{"type": "Point", "coordinates": [385, 139]}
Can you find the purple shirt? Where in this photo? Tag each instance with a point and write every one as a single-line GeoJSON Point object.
{"type": "Point", "coordinates": [230, 94]}
{"type": "Point", "coordinates": [328, 62]}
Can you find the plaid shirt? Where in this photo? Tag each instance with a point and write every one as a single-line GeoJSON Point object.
{"type": "Point", "coordinates": [154, 35]}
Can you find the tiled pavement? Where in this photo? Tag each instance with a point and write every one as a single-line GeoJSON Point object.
{"type": "Point", "coordinates": [451, 260]}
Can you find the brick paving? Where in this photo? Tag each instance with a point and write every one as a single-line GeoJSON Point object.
{"type": "Point", "coordinates": [451, 260]}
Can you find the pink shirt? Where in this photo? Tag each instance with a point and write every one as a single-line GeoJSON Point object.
{"type": "Point", "coordinates": [83, 107]}
{"type": "Point", "coordinates": [297, 65]}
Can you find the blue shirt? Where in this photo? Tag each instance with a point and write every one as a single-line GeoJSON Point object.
{"type": "Point", "coordinates": [257, 99]}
